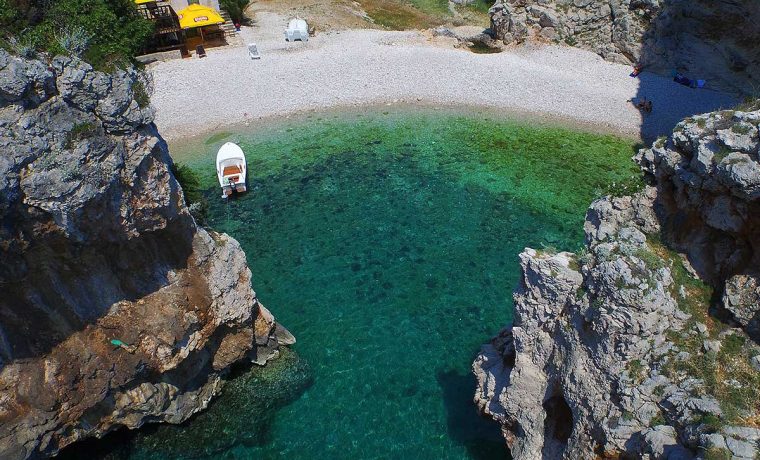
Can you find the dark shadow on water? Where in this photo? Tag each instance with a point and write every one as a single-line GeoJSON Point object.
{"type": "Point", "coordinates": [481, 436]}
{"type": "Point", "coordinates": [243, 414]}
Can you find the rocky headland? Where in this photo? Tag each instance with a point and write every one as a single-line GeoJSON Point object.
{"type": "Point", "coordinates": [98, 244]}
{"type": "Point", "coordinates": [644, 344]}
{"type": "Point", "coordinates": [713, 40]}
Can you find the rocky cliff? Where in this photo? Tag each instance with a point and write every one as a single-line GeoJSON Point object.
{"type": "Point", "coordinates": [713, 40]}
{"type": "Point", "coordinates": [97, 245]}
{"type": "Point", "coordinates": [644, 345]}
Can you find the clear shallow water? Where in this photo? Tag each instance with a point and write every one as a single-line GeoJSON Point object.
{"type": "Point", "coordinates": [387, 243]}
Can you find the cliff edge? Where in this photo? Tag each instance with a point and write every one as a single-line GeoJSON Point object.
{"type": "Point", "coordinates": [97, 245]}
{"type": "Point", "coordinates": [706, 39]}
{"type": "Point", "coordinates": [645, 344]}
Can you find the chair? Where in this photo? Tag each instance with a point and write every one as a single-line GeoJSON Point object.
{"type": "Point", "coordinates": [200, 51]}
{"type": "Point", "coordinates": [253, 51]}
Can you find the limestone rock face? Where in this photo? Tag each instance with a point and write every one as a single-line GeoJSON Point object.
{"type": "Point", "coordinates": [706, 39]}
{"type": "Point", "coordinates": [97, 245]}
{"type": "Point", "coordinates": [613, 352]}
{"type": "Point", "coordinates": [712, 184]}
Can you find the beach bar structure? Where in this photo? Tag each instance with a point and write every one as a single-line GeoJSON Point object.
{"type": "Point", "coordinates": [167, 33]}
{"type": "Point", "coordinates": [182, 24]}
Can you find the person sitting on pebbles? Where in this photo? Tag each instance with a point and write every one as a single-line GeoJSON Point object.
{"type": "Point", "coordinates": [643, 104]}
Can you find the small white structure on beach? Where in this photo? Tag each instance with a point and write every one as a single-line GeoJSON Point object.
{"type": "Point", "coordinates": [297, 30]}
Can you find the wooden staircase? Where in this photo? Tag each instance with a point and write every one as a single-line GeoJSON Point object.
{"type": "Point", "coordinates": [231, 35]}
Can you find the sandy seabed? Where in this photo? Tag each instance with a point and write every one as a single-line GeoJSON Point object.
{"type": "Point", "coordinates": [369, 67]}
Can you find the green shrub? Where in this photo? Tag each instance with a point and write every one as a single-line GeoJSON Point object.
{"type": "Point", "coordinates": [740, 128]}
{"type": "Point", "coordinates": [79, 132]}
{"type": "Point", "coordinates": [722, 153]}
{"type": "Point", "coordinates": [636, 370]}
{"type": "Point", "coordinates": [106, 33]}
{"type": "Point", "coordinates": [711, 422]}
{"type": "Point", "coordinates": [236, 8]}
{"type": "Point", "coordinates": [717, 453]}
{"type": "Point", "coordinates": [749, 104]}
{"type": "Point", "coordinates": [658, 419]}
{"type": "Point", "coordinates": [140, 94]}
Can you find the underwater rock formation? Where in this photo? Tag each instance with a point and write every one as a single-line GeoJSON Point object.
{"type": "Point", "coordinates": [707, 39]}
{"type": "Point", "coordinates": [630, 349]}
{"type": "Point", "coordinates": [98, 245]}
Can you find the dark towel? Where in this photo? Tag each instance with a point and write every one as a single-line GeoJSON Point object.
{"type": "Point", "coordinates": [682, 80]}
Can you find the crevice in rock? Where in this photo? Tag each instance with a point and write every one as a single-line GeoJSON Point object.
{"type": "Point", "coordinates": [558, 425]}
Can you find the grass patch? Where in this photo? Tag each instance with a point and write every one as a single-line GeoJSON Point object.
{"type": "Point", "coordinates": [482, 48]}
{"type": "Point", "coordinates": [140, 93]}
{"type": "Point", "coordinates": [750, 104]}
{"type": "Point", "coordinates": [717, 453]}
{"type": "Point", "coordinates": [636, 370]}
{"type": "Point", "coordinates": [722, 153]}
{"type": "Point", "coordinates": [741, 128]}
{"type": "Point", "coordinates": [658, 419]}
{"type": "Point", "coordinates": [399, 15]}
{"type": "Point", "coordinates": [650, 258]}
{"type": "Point", "coordinates": [480, 6]}
{"type": "Point", "coordinates": [79, 132]}
{"type": "Point", "coordinates": [727, 375]}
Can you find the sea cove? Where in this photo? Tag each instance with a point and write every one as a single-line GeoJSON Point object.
{"type": "Point", "coordinates": [388, 242]}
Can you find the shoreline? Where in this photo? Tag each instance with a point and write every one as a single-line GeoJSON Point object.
{"type": "Point", "coordinates": [357, 69]}
{"type": "Point", "coordinates": [397, 107]}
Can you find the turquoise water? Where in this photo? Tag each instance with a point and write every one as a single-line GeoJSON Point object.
{"type": "Point", "coordinates": [387, 243]}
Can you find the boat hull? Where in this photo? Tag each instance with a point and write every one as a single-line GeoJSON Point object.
{"type": "Point", "coordinates": [231, 169]}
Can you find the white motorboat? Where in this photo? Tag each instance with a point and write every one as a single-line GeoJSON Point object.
{"type": "Point", "coordinates": [231, 169]}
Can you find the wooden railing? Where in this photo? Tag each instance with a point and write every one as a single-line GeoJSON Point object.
{"type": "Point", "coordinates": [163, 16]}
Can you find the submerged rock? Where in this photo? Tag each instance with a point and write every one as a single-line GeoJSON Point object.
{"type": "Point", "coordinates": [117, 309]}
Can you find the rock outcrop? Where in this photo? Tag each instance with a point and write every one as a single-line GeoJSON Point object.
{"type": "Point", "coordinates": [708, 176]}
{"type": "Point", "coordinates": [706, 39]}
{"type": "Point", "coordinates": [630, 349]}
{"type": "Point", "coordinates": [98, 245]}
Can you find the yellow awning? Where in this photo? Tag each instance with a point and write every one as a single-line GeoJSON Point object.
{"type": "Point", "coordinates": [141, 2]}
{"type": "Point", "coordinates": [198, 16]}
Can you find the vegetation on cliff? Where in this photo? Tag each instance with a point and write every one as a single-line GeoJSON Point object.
{"type": "Point", "coordinates": [236, 8]}
{"type": "Point", "coordinates": [106, 33]}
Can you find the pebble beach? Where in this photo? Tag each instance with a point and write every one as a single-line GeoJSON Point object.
{"type": "Point", "coordinates": [353, 68]}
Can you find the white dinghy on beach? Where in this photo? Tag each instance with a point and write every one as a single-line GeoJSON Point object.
{"type": "Point", "coordinates": [231, 169]}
